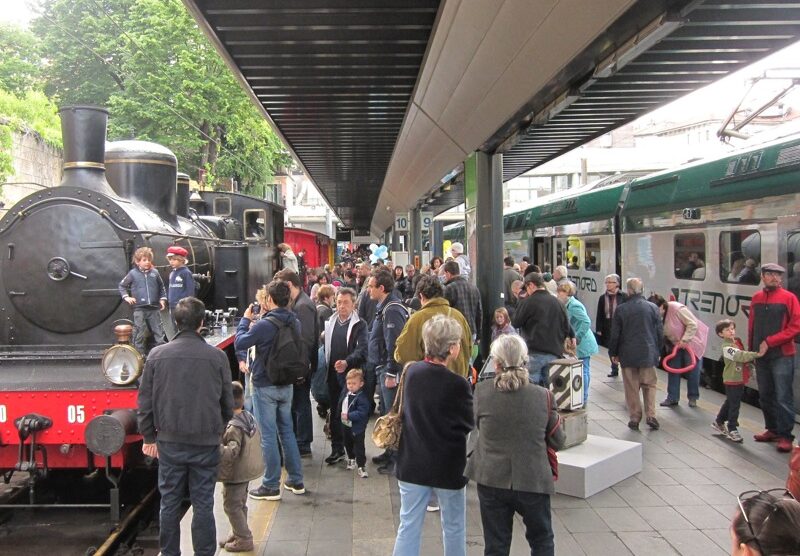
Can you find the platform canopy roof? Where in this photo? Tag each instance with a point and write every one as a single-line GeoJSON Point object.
{"type": "Point", "coordinates": [379, 100]}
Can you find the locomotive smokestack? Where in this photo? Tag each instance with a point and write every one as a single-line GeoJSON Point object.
{"type": "Point", "coordinates": [183, 195]}
{"type": "Point", "coordinates": [83, 131]}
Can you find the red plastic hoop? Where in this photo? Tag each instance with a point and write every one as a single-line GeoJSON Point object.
{"type": "Point", "coordinates": [673, 355]}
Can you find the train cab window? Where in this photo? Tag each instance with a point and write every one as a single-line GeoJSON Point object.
{"type": "Point", "coordinates": [592, 258]}
{"type": "Point", "coordinates": [222, 206]}
{"type": "Point", "coordinates": [740, 257]}
{"type": "Point", "coordinates": [690, 256]}
{"type": "Point", "coordinates": [255, 224]}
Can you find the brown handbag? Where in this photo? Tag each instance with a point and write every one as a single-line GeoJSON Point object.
{"type": "Point", "coordinates": [386, 434]}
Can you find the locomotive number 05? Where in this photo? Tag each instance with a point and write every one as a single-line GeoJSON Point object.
{"type": "Point", "coordinates": [76, 414]}
{"type": "Point", "coordinates": [3, 414]}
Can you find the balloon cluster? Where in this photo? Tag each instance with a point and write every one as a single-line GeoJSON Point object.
{"type": "Point", "coordinates": [379, 253]}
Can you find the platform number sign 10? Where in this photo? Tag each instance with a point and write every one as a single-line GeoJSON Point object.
{"type": "Point", "coordinates": [401, 222]}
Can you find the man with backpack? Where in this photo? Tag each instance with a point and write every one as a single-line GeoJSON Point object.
{"type": "Point", "coordinates": [390, 318]}
{"type": "Point", "coordinates": [280, 360]}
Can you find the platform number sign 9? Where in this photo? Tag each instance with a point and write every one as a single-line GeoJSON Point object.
{"type": "Point", "coordinates": [426, 219]}
{"type": "Point", "coordinates": [401, 222]}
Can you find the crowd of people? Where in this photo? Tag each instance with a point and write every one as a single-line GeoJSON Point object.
{"type": "Point", "coordinates": [406, 338]}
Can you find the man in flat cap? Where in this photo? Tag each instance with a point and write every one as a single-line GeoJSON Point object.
{"type": "Point", "coordinates": [773, 323]}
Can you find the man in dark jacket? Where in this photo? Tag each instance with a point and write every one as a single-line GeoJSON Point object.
{"type": "Point", "coordinates": [773, 323]}
{"type": "Point", "coordinates": [345, 349]}
{"type": "Point", "coordinates": [302, 306]}
{"type": "Point", "coordinates": [637, 333]}
{"type": "Point", "coordinates": [544, 325]}
{"type": "Point", "coordinates": [390, 318]}
{"type": "Point", "coordinates": [606, 307]}
{"type": "Point", "coordinates": [184, 403]}
{"type": "Point", "coordinates": [272, 404]}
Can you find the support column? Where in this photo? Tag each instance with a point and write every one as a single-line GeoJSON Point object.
{"type": "Point", "coordinates": [484, 233]}
{"type": "Point", "coordinates": [414, 236]}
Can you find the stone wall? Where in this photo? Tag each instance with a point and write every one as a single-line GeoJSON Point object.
{"type": "Point", "coordinates": [36, 165]}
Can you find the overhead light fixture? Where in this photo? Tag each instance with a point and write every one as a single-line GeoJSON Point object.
{"type": "Point", "coordinates": [653, 32]}
{"type": "Point", "coordinates": [554, 108]}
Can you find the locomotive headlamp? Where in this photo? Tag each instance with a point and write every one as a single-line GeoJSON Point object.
{"type": "Point", "coordinates": [122, 364]}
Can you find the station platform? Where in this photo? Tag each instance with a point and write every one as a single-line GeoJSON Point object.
{"type": "Point", "coordinates": [681, 503]}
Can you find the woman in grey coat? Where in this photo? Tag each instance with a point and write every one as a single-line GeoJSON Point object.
{"type": "Point", "coordinates": [515, 421]}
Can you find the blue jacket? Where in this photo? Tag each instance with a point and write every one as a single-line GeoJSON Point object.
{"type": "Point", "coordinates": [390, 318]}
{"type": "Point", "coordinates": [357, 409]}
{"type": "Point", "coordinates": [181, 284]}
{"type": "Point", "coordinates": [582, 325]}
{"type": "Point", "coordinates": [146, 287]}
{"type": "Point", "coordinates": [261, 335]}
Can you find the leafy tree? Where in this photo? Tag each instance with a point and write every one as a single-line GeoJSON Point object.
{"type": "Point", "coordinates": [163, 82]}
{"type": "Point", "coordinates": [20, 63]}
{"type": "Point", "coordinates": [31, 110]}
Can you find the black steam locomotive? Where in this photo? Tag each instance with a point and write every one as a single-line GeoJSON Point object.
{"type": "Point", "coordinates": [67, 398]}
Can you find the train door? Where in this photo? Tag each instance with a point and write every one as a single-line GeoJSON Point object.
{"type": "Point", "coordinates": [598, 260]}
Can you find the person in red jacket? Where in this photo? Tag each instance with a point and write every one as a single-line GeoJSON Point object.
{"type": "Point", "coordinates": [773, 323]}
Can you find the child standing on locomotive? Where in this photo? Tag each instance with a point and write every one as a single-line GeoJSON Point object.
{"type": "Point", "coordinates": [144, 289]}
{"type": "Point", "coordinates": [181, 282]}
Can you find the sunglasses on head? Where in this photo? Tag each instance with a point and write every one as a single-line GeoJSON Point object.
{"type": "Point", "coordinates": [775, 494]}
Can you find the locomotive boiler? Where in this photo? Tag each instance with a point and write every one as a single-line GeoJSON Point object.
{"type": "Point", "coordinates": [63, 252]}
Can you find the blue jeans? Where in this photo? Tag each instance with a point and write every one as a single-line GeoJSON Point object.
{"type": "Point", "coordinates": [413, 500]}
{"type": "Point", "coordinates": [775, 378]}
{"type": "Point", "coordinates": [587, 377]}
{"type": "Point", "coordinates": [387, 394]}
{"type": "Point", "coordinates": [272, 406]}
{"type": "Point", "coordinates": [693, 378]}
{"type": "Point", "coordinates": [538, 367]}
{"type": "Point", "coordinates": [498, 506]}
{"type": "Point", "coordinates": [301, 415]}
{"type": "Point", "coordinates": [181, 465]}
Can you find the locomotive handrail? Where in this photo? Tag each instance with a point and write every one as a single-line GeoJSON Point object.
{"type": "Point", "coordinates": [105, 214]}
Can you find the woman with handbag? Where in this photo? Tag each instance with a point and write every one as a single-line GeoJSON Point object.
{"type": "Point", "coordinates": [435, 406]}
{"type": "Point", "coordinates": [685, 330]}
{"type": "Point", "coordinates": [515, 424]}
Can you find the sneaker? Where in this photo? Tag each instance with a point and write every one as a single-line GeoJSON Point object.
{"type": "Point", "coordinates": [381, 459]}
{"type": "Point", "coordinates": [230, 538]}
{"type": "Point", "coordinates": [239, 545]}
{"type": "Point", "coordinates": [652, 422]}
{"type": "Point", "coordinates": [335, 457]}
{"type": "Point", "coordinates": [720, 428]}
{"type": "Point", "coordinates": [264, 493]}
{"type": "Point", "coordinates": [735, 436]}
{"type": "Point", "coordinates": [430, 508]}
{"type": "Point", "coordinates": [669, 403]}
{"type": "Point", "coordinates": [784, 445]}
{"type": "Point", "coordinates": [362, 472]}
{"type": "Point", "coordinates": [296, 489]}
{"type": "Point", "coordinates": [612, 375]}
{"type": "Point", "coordinates": [766, 436]}
{"type": "Point", "coordinates": [633, 425]}
{"type": "Point", "coordinates": [305, 454]}
{"type": "Point", "coordinates": [692, 403]}
{"type": "Point", "coordinates": [351, 464]}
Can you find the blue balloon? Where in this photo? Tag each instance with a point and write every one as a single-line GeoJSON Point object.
{"type": "Point", "coordinates": [382, 251]}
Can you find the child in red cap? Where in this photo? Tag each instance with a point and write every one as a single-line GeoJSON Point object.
{"type": "Point", "coordinates": [181, 282]}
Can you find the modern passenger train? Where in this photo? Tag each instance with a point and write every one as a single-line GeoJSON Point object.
{"type": "Point", "coordinates": [697, 233]}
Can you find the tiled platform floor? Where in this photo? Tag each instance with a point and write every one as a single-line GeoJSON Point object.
{"type": "Point", "coordinates": [681, 502]}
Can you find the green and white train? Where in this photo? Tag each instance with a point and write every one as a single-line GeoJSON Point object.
{"type": "Point", "coordinates": [697, 233]}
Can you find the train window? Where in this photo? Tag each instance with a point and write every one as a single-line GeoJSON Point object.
{"type": "Point", "coordinates": [740, 257]}
{"type": "Point", "coordinates": [690, 256]}
{"type": "Point", "coordinates": [255, 224]}
{"type": "Point", "coordinates": [222, 206]}
{"type": "Point", "coordinates": [592, 256]}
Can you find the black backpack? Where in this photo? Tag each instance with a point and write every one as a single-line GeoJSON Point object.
{"type": "Point", "coordinates": [287, 361]}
